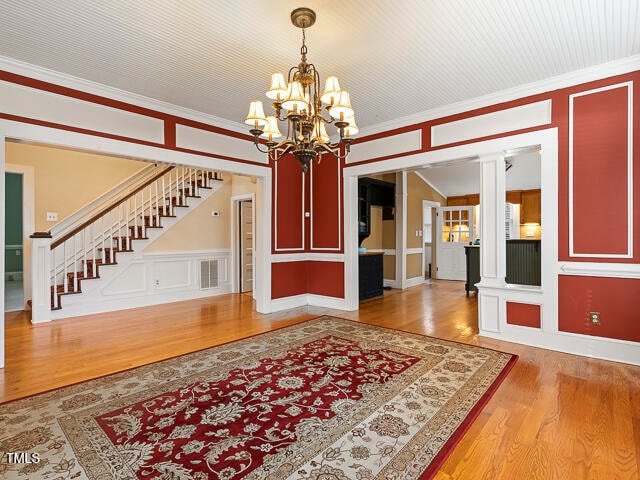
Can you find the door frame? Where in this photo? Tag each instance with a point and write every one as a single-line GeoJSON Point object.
{"type": "Point", "coordinates": [28, 222]}
{"type": "Point", "coordinates": [440, 222]}
{"type": "Point", "coordinates": [235, 240]}
{"type": "Point", "coordinates": [429, 204]}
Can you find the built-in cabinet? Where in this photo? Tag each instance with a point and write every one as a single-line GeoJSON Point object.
{"type": "Point", "coordinates": [530, 207]}
{"type": "Point", "coordinates": [370, 275]}
{"type": "Point", "coordinates": [373, 192]}
{"type": "Point", "coordinates": [529, 201]}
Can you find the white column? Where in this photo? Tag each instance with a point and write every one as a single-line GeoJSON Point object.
{"type": "Point", "coordinates": [492, 234]}
{"type": "Point", "coordinates": [492, 242]}
{"type": "Point", "coordinates": [262, 264]}
{"type": "Point", "coordinates": [351, 259]}
{"type": "Point", "coordinates": [41, 277]}
{"type": "Point", "coordinates": [401, 230]}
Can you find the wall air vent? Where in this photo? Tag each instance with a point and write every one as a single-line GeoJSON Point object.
{"type": "Point", "coordinates": [208, 274]}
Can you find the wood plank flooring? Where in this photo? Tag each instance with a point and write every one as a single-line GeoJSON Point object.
{"type": "Point", "coordinates": [556, 416]}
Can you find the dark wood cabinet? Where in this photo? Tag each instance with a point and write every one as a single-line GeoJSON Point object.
{"type": "Point", "coordinates": [373, 192]}
{"type": "Point", "coordinates": [370, 275]}
{"type": "Point", "coordinates": [472, 257]}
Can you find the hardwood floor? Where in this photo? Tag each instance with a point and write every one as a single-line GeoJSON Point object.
{"type": "Point", "coordinates": [556, 416]}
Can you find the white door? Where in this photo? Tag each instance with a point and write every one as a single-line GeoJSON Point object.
{"type": "Point", "coordinates": [246, 246]}
{"type": "Point", "coordinates": [455, 230]}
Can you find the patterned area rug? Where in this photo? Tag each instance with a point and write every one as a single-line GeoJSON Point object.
{"type": "Point", "coordinates": [327, 399]}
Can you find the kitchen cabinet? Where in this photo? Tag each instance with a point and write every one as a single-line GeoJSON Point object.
{"type": "Point", "coordinates": [373, 192]}
{"type": "Point", "coordinates": [463, 200]}
{"type": "Point", "coordinates": [530, 207]}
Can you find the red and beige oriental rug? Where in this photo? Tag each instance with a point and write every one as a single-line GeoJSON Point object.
{"type": "Point", "coordinates": [327, 399]}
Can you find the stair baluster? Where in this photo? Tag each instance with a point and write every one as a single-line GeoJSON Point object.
{"type": "Point", "coordinates": [77, 256]}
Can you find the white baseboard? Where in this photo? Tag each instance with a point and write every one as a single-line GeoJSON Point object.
{"type": "Point", "coordinates": [576, 344]}
{"type": "Point", "coordinates": [390, 283]}
{"type": "Point", "coordinates": [280, 304]}
{"type": "Point", "coordinates": [118, 303]}
{"type": "Point", "coordinates": [412, 282]}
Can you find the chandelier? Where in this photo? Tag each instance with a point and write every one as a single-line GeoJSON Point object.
{"type": "Point", "coordinates": [299, 103]}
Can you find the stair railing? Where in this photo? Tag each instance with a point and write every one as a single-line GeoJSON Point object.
{"type": "Point", "coordinates": [78, 254]}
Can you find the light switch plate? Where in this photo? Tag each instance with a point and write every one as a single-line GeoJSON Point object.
{"type": "Point", "coordinates": [52, 216]}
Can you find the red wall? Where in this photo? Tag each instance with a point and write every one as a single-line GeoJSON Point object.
{"type": "Point", "coordinates": [523, 314]}
{"type": "Point", "coordinates": [297, 278]}
{"type": "Point", "coordinates": [614, 298]}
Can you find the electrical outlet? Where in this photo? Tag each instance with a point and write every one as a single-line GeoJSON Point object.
{"type": "Point", "coordinates": [157, 282]}
{"type": "Point", "coordinates": [595, 318]}
{"type": "Point", "coordinates": [52, 216]}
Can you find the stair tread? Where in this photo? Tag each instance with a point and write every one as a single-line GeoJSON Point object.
{"type": "Point", "coordinates": [152, 220]}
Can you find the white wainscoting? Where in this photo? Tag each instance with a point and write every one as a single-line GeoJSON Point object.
{"type": "Point", "coordinates": [148, 279]}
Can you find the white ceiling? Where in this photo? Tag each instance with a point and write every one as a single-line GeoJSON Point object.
{"type": "Point", "coordinates": [397, 58]}
{"type": "Point", "coordinates": [463, 177]}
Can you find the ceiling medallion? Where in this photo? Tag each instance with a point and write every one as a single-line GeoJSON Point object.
{"type": "Point", "coordinates": [299, 103]}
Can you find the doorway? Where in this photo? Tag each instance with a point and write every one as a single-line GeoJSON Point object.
{"type": "Point", "coordinates": [429, 209]}
{"type": "Point", "coordinates": [455, 230]}
{"type": "Point", "coordinates": [13, 249]}
{"type": "Point", "coordinates": [243, 251]}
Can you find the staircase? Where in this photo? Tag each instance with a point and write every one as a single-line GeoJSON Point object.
{"type": "Point", "coordinates": [114, 234]}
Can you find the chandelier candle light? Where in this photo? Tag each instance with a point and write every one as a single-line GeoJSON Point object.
{"type": "Point", "coordinates": [298, 102]}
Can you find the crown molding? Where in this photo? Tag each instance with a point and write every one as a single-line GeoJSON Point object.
{"type": "Point", "coordinates": [590, 74]}
{"type": "Point", "coordinates": [64, 80]}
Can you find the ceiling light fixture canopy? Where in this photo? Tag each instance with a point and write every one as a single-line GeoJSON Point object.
{"type": "Point", "coordinates": [297, 102]}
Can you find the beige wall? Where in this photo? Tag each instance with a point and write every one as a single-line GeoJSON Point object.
{"type": "Point", "coordinates": [198, 229]}
{"type": "Point", "coordinates": [242, 185]}
{"type": "Point", "coordinates": [417, 191]}
{"type": "Point", "coordinates": [414, 265]}
{"type": "Point", "coordinates": [66, 180]}
{"type": "Point", "coordinates": [374, 240]}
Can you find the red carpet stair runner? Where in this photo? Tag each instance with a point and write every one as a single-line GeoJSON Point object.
{"type": "Point", "coordinates": [82, 253]}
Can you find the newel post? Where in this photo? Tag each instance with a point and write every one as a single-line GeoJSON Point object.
{"type": "Point", "coordinates": [40, 277]}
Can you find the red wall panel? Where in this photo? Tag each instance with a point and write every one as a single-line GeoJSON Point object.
{"type": "Point", "coordinates": [326, 278]}
{"type": "Point", "coordinates": [600, 135]}
{"type": "Point", "coordinates": [523, 314]}
{"type": "Point", "coordinates": [288, 226]}
{"type": "Point", "coordinates": [325, 204]}
{"type": "Point", "coordinates": [288, 279]}
{"type": "Point", "coordinates": [614, 298]}
{"type": "Point", "coordinates": [296, 278]}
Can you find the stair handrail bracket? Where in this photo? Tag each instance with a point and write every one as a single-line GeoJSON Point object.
{"type": "Point", "coordinates": [61, 262]}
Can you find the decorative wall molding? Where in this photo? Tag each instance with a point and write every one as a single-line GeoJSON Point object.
{"type": "Point", "coordinates": [148, 279]}
{"type": "Point", "coordinates": [501, 121]}
{"type": "Point", "coordinates": [80, 84]}
{"type": "Point", "coordinates": [307, 257]}
{"type": "Point", "coordinates": [191, 138]}
{"type": "Point", "coordinates": [590, 74]}
{"type": "Point", "coordinates": [592, 269]}
{"type": "Point", "coordinates": [382, 147]}
{"type": "Point", "coordinates": [32, 103]}
{"type": "Point", "coordinates": [275, 214]}
{"type": "Point", "coordinates": [630, 186]}
{"type": "Point", "coordinates": [414, 251]}
{"type": "Point", "coordinates": [339, 183]}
